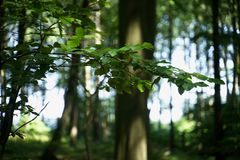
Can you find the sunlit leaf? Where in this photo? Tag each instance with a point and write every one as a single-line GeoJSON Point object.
{"type": "Point", "coordinates": [140, 87]}
{"type": "Point", "coordinates": [147, 45]}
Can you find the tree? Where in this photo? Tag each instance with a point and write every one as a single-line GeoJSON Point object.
{"type": "Point", "coordinates": [218, 132]}
{"type": "Point", "coordinates": [136, 25]}
{"type": "Point", "coordinates": [70, 113]}
{"type": "Point", "coordinates": [170, 43]}
{"type": "Point", "coordinates": [28, 61]}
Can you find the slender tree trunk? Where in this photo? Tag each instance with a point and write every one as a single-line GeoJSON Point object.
{"type": "Point", "coordinates": [2, 72]}
{"type": "Point", "coordinates": [238, 57]}
{"type": "Point", "coordinates": [70, 112]}
{"type": "Point", "coordinates": [136, 25]}
{"type": "Point", "coordinates": [88, 113]}
{"type": "Point", "coordinates": [2, 33]}
{"type": "Point", "coordinates": [96, 114]}
{"type": "Point", "coordinates": [69, 107]}
{"type": "Point", "coordinates": [96, 120]}
{"type": "Point", "coordinates": [170, 41]}
{"type": "Point", "coordinates": [235, 53]}
{"type": "Point", "coordinates": [7, 120]}
{"type": "Point", "coordinates": [226, 72]}
{"type": "Point", "coordinates": [218, 132]}
{"type": "Point", "coordinates": [74, 121]}
{"type": "Point", "coordinates": [172, 131]}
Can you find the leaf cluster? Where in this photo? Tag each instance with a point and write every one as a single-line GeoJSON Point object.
{"type": "Point", "coordinates": [122, 68]}
{"type": "Point", "coordinates": [29, 59]}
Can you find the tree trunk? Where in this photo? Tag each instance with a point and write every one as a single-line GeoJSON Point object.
{"type": "Point", "coordinates": [131, 127]}
{"type": "Point", "coordinates": [2, 33]}
{"type": "Point", "coordinates": [7, 119]}
{"type": "Point", "coordinates": [96, 114]}
{"type": "Point", "coordinates": [74, 121]}
{"type": "Point", "coordinates": [136, 25]}
{"type": "Point", "coordinates": [70, 106]}
{"type": "Point", "coordinates": [172, 131]}
{"type": "Point", "coordinates": [170, 43]}
{"type": "Point", "coordinates": [238, 57]}
{"type": "Point", "coordinates": [235, 53]}
{"type": "Point", "coordinates": [96, 126]}
{"type": "Point", "coordinates": [70, 103]}
{"type": "Point", "coordinates": [2, 72]}
{"type": "Point", "coordinates": [88, 112]}
{"type": "Point", "coordinates": [218, 131]}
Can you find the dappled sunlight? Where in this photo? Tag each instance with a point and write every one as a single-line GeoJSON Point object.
{"type": "Point", "coordinates": [185, 125]}
{"type": "Point", "coordinates": [34, 131]}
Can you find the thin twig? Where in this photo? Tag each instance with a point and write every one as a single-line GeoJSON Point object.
{"type": "Point", "coordinates": [14, 132]}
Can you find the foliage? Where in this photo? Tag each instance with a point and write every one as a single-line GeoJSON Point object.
{"type": "Point", "coordinates": [184, 125]}
{"type": "Point", "coordinates": [121, 68]}
{"type": "Point", "coordinates": [30, 53]}
{"type": "Point", "coordinates": [37, 130]}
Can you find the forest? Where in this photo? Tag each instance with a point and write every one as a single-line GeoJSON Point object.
{"type": "Point", "coordinates": [119, 80]}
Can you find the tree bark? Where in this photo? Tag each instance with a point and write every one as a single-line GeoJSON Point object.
{"type": "Point", "coordinates": [74, 122]}
{"type": "Point", "coordinates": [136, 25]}
{"type": "Point", "coordinates": [96, 119]}
{"type": "Point", "coordinates": [218, 131]}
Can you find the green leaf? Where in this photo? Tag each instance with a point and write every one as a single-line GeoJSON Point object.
{"type": "Point", "coordinates": [67, 20]}
{"type": "Point", "coordinates": [98, 71]}
{"type": "Point", "coordinates": [147, 84]}
{"type": "Point", "coordinates": [200, 76]}
{"type": "Point", "coordinates": [137, 47]}
{"type": "Point", "coordinates": [201, 84]}
{"type": "Point", "coordinates": [217, 81]}
{"type": "Point", "coordinates": [57, 45]}
{"type": "Point", "coordinates": [79, 32]}
{"type": "Point", "coordinates": [107, 88]}
{"type": "Point", "coordinates": [156, 80]}
{"type": "Point", "coordinates": [73, 42]}
{"type": "Point", "coordinates": [164, 61]}
{"type": "Point", "coordinates": [124, 49]}
{"type": "Point", "coordinates": [113, 52]}
{"type": "Point", "coordinates": [113, 82]}
{"type": "Point", "coordinates": [102, 70]}
{"type": "Point", "coordinates": [147, 45]}
{"type": "Point", "coordinates": [187, 86]}
{"type": "Point", "coordinates": [23, 97]}
{"type": "Point", "coordinates": [180, 90]}
{"type": "Point", "coordinates": [140, 87]}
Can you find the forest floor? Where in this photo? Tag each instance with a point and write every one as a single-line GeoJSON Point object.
{"type": "Point", "coordinates": [32, 150]}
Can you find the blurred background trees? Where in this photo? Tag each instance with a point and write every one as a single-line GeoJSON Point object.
{"type": "Point", "coordinates": [99, 123]}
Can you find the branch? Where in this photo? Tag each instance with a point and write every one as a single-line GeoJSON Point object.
{"type": "Point", "coordinates": [16, 131]}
